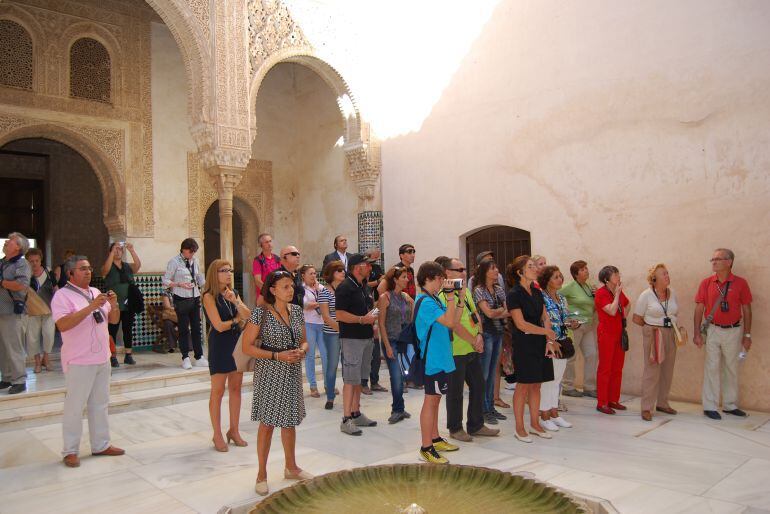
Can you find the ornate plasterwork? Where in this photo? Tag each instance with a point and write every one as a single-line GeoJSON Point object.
{"type": "Point", "coordinates": [102, 147]}
{"type": "Point", "coordinates": [271, 29]}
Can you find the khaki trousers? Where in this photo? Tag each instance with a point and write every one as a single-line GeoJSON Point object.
{"type": "Point", "coordinates": [724, 343]}
{"type": "Point", "coordinates": [87, 385]}
{"type": "Point", "coordinates": [584, 339]}
{"type": "Point", "coordinates": [12, 356]}
{"type": "Point", "coordinates": [656, 378]}
{"type": "Point", "coordinates": [40, 332]}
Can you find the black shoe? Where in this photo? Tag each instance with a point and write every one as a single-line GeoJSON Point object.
{"type": "Point", "coordinates": [329, 405]}
{"type": "Point", "coordinates": [712, 414]}
{"type": "Point", "coordinates": [736, 412]}
{"type": "Point", "coordinates": [4, 385]}
{"type": "Point", "coordinates": [129, 359]}
{"type": "Point", "coordinates": [490, 419]}
{"type": "Point", "coordinates": [17, 388]}
{"type": "Point", "coordinates": [498, 415]}
{"type": "Point", "coordinates": [170, 350]}
{"type": "Point", "coordinates": [114, 362]}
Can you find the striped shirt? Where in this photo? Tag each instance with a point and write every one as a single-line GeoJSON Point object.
{"type": "Point", "coordinates": [327, 296]}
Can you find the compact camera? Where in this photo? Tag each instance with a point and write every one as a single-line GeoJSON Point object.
{"type": "Point", "coordinates": [98, 316]}
{"type": "Point", "coordinates": [667, 322]}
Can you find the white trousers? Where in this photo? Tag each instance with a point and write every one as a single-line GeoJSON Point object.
{"type": "Point", "coordinates": [549, 391]}
{"type": "Point", "coordinates": [86, 386]}
{"type": "Point", "coordinates": [722, 344]}
{"type": "Point", "coordinates": [39, 329]}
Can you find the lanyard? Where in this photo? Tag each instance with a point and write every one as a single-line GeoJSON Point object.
{"type": "Point", "coordinates": [89, 297]}
{"type": "Point", "coordinates": [663, 305]}
{"type": "Point", "coordinates": [587, 291]}
{"type": "Point", "coordinates": [723, 293]}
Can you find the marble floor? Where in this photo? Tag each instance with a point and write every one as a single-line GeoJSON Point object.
{"type": "Point", "coordinates": [683, 463]}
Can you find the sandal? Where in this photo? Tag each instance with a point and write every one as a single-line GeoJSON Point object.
{"type": "Point", "coordinates": [500, 403]}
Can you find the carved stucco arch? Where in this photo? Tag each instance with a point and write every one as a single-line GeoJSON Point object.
{"type": "Point", "coordinates": [87, 29]}
{"type": "Point", "coordinates": [29, 23]}
{"type": "Point", "coordinates": [112, 186]}
{"type": "Point", "coordinates": [190, 30]}
{"type": "Point", "coordinates": [306, 58]}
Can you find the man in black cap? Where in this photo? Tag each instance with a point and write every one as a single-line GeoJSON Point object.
{"type": "Point", "coordinates": [406, 259]}
{"type": "Point", "coordinates": [354, 305]}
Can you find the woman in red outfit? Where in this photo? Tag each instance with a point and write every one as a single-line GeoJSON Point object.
{"type": "Point", "coordinates": [612, 308]}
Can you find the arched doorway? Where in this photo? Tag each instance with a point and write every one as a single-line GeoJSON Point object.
{"type": "Point", "coordinates": [506, 242]}
{"type": "Point", "coordinates": [51, 194]}
{"type": "Point", "coordinates": [211, 247]}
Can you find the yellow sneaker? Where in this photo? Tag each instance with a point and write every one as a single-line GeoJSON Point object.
{"type": "Point", "coordinates": [445, 446]}
{"type": "Point", "coordinates": [432, 456]}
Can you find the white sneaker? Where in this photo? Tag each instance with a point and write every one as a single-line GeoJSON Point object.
{"type": "Point", "coordinates": [202, 362]}
{"type": "Point", "coordinates": [510, 387]}
{"type": "Point", "coordinates": [549, 425]}
{"type": "Point", "coordinates": [559, 421]}
{"type": "Point", "coordinates": [186, 363]}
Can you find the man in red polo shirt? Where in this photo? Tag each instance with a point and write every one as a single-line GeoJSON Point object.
{"type": "Point", "coordinates": [728, 297]}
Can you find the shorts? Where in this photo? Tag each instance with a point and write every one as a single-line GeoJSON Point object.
{"type": "Point", "coordinates": [438, 384]}
{"type": "Point", "coordinates": [356, 359]}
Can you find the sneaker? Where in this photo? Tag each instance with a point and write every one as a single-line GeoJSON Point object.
{"type": "Point", "coordinates": [129, 359]}
{"type": "Point", "coordinates": [329, 405]}
{"type": "Point", "coordinates": [202, 362]}
{"type": "Point", "coordinates": [348, 427]}
{"type": "Point", "coordinates": [490, 418]}
{"type": "Point", "coordinates": [461, 435]}
{"type": "Point", "coordinates": [549, 425]}
{"type": "Point", "coordinates": [445, 446]}
{"type": "Point", "coordinates": [362, 421]}
{"type": "Point", "coordinates": [572, 392]}
{"type": "Point", "coordinates": [114, 362]}
{"type": "Point", "coordinates": [432, 456]}
{"type": "Point", "coordinates": [561, 422]}
{"type": "Point", "coordinates": [186, 363]}
{"type": "Point", "coordinates": [511, 386]}
{"type": "Point", "coordinates": [407, 415]}
{"type": "Point", "coordinates": [4, 385]}
{"type": "Point", "coordinates": [590, 394]}
{"type": "Point", "coordinates": [498, 415]}
{"type": "Point", "coordinates": [366, 390]}
{"type": "Point", "coordinates": [485, 431]}
{"type": "Point", "coordinates": [17, 388]}
{"type": "Point", "coordinates": [396, 417]}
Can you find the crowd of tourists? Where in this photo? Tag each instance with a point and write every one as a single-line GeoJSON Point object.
{"type": "Point", "coordinates": [436, 329]}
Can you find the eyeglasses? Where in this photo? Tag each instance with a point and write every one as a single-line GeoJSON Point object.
{"type": "Point", "coordinates": [226, 270]}
{"type": "Point", "coordinates": [411, 250]}
{"type": "Point", "coordinates": [295, 254]}
{"type": "Point", "coordinates": [458, 270]}
{"type": "Point", "coordinates": [717, 259]}
{"type": "Point", "coordinates": [85, 268]}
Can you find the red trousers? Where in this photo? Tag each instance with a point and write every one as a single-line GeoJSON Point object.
{"type": "Point", "coordinates": [609, 373]}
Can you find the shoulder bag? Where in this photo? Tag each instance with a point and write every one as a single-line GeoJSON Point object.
{"type": "Point", "coordinates": [244, 362]}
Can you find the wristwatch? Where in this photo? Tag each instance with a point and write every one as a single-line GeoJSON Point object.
{"type": "Point", "coordinates": [747, 335]}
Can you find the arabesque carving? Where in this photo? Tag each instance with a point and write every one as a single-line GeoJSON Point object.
{"type": "Point", "coordinates": [271, 28]}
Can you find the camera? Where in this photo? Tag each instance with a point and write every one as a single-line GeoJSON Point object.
{"type": "Point", "coordinates": [667, 322]}
{"type": "Point", "coordinates": [98, 316]}
{"type": "Point", "coordinates": [457, 283]}
{"type": "Point", "coordinates": [18, 306]}
{"type": "Point", "coordinates": [122, 244]}
{"type": "Point", "coordinates": [724, 306]}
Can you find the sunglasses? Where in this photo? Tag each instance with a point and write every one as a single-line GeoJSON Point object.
{"type": "Point", "coordinates": [226, 270]}
{"type": "Point", "coordinates": [458, 270]}
{"type": "Point", "coordinates": [295, 254]}
{"type": "Point", "coordinates": [411, 250]}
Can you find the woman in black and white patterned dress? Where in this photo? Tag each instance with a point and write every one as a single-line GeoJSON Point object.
{"type": "Point", "coordinates": [278, 398]}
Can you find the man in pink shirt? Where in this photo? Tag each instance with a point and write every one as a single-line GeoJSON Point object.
{"type": "Point", "coordinates": [264, 263]}
{"type": "Point", "coordinates": [81, 313]}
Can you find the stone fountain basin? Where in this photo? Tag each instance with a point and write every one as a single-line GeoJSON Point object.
{"type": "Point", "coordinates": [415, 488]}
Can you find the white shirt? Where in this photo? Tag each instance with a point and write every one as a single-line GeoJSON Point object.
{"type": "Point", "coordinates": [343, 258]}
{"type": "Point", "coordinates": [313, 316]}
{"type": "Point", "coordinates": [649, 307]}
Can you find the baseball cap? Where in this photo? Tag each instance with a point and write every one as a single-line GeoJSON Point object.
{"type": "Point", "coordinates": [357, 259]}
{"type": "Point", "coordinates": [480, 256]}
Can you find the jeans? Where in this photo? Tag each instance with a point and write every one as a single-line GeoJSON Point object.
{"type": "Point", "coordinates": [188, 312]}
{"type": "Point", "coordinates": [374, 373]}
{"type": "Point", "coordinates": [492, 344]}
{"type": "Point", "coordinates": [396, 381]}
{"type": "Point", "coordinates": [467, 371]}
{"type": "Point", "coordinates": [332, 362]}
{"type": "Point", "coordinates": [314, 335]}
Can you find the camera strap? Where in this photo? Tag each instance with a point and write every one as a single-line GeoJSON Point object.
{"type": "Point", "coordinates": [722, 298]}
{"type": "Point", "coordinates": [663, 305]}
{"type": "Point", "coordinates": [89, 297]}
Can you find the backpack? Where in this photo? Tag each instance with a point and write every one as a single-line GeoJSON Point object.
{"type": "Point", "coordinates": [414, 368]}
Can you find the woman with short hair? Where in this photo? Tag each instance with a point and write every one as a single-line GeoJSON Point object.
{"type": "Point", "coordinates": [396, 309]}
{"type": "Point", "coordinates": [334, 275]}
{"type": "Point", "coordinates": [580, 297]}
{"type": "Point", "coordinates": [40, 331]}
{"type": "Point", "coordinates": [612, 307]}
{"type": "Point", "coordinates": [550, 281]}
{"type": "Point", "coordinates": [277, 400]}
{"type": "Point", "coordinates": [656, 312]}
{"type": "Point", "coordinates": [534, 343]}
{"type": "Point", "coordinates": [314, 325]}
{"type": "Point", "coordinates": [224, 311]}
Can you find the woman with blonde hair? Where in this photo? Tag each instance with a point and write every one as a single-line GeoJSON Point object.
{"type": "Point", "coordinates": [656, 312]}
{"type": "Point", "coordinates": [224, 311]}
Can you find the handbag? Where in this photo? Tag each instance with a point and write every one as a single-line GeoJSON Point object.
{"type": "Point", "coordinates": [567, 348]}
{"type": "Point", "coordinates": [36, 306]}
{"type": "Point", "coordinates": [624, 343]}
{"type": "Point", "coordinates": [680, 335]}
{"type": "Point", "coordinates": [243, 361]}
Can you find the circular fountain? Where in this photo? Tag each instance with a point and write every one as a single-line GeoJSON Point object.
{"type": "Point", "coordinates": [418, 489]}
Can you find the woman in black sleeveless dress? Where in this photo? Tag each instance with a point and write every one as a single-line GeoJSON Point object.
{"type": "Point", "coordinates": [224, 310]}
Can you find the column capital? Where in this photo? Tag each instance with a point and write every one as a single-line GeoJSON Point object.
{"type": "Point", "coordinates": [363, 161]}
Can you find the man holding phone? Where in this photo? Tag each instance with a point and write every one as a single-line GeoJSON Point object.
{"type": "Point", "coordinates": [467, 346]}
{"type": "Point", "coordinates": [356, 318]}
{"type": "Point", "coordinates": [81, 314]}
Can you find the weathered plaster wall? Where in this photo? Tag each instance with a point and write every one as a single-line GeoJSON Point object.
{"type": "Point", "coordinates": [171, 142]}
{"type": "Point", "coordinates": [618, 133]}
{"type": "Point", "coordinates": [299, 125]}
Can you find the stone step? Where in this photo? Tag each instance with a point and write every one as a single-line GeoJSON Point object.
{"type": "Point", "coordinates": [131, 398]}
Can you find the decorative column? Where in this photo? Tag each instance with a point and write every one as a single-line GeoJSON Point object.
{"type": "Point", "coordinates": [363, 159]}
